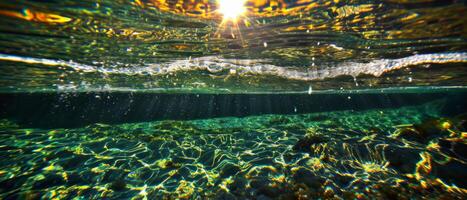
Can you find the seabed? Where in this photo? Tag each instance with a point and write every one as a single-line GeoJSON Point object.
{"type": "Point", "coordinates": [391, 153]}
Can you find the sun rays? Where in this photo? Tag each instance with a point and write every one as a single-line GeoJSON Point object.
{"type": "Point", "coordinates": [231, 9]}
{"type": "Point", "coordinates": [232, 12]}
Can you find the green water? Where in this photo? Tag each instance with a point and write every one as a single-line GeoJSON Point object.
{"type": "Point", "coordinates": [365, 151]}
{"type": "Point", "coordinates": [166, 99]}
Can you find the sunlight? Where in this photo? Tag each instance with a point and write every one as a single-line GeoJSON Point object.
{"type": "Point", "coordinates": [231, 9]}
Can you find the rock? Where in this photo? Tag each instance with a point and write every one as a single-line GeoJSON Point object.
{"type": "Point", "coordinates": [262, 161]}
{"type": "Point", "coordinates": [238, 184]}
{"type": "Point", "coordinates": [317, 118]}
{"type": "Point", "coordinates": [455, 149]}
{"type": "Point", "coordinates": [12, 183]}
{"type": "Point", "coordinates": [270, 191]}
{"type": "Point", "coordinates": [427, 130]}
{"type": "Point", "coordinates": [389, 192]}
{"type": "Point", "coordinates": [113, 174]}
{"type": "Point", "coordinates": [266, 187]}
{"type": "Point", "coordinates": [278, 120]}
{"type": "Point", "coordinates": [207, 158]}
{"type": "Point", "coordinates": [184, 171]}
{"type": "Point", "coordinates": [50, 180]}
{"type": "Point", "coordinates": [118, 185]}
{"type": "Point", "coordinates": [74, 178]}
{"type": "Point", "coordinates": [343, 180]}
{"type": "Point", "coordinates": [63, 154]}
{"type": "Point", "coordinates": [452, 172]}
{"type": "Point", "coordinates": [259, 182]}
{"type": "Point", "coordinates": [305, 143]}
{"type": "Point", "coordinates": [411, 134]}
{"type": "Point", "coordinates": [329, 193]}
{"type": "Point", "coordinates": [75, 161]}
{"type": "Point", "coordinates": [167, 164]}
{"type": "Point", "coordinates": [229, 170]}
{"type": "Point", "coordinates": [433, 127]}
{"type": "Point", "coordinates": [306, 177]}
{"type": "Point", "coordinates": [403, 160]}
{"type": "Point", "coordinates": [225, 196]}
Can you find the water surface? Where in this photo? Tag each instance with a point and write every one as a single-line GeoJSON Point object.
{"type": "Point", "coordinates": [277, 46]}
{"type": "Point", "coordinates": [295, 99]}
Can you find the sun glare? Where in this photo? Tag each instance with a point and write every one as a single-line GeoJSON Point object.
{"type": "Point", "coordinates": [231, 9]}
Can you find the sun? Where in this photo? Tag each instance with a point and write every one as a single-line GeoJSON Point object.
{"type": "Point", "coordinates": [231, 9]}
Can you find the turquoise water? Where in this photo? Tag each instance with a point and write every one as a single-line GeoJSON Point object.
{"type": "Point", "coordinates": [160, 146]}
{"type": "Point", "coordinates": [309, 99]}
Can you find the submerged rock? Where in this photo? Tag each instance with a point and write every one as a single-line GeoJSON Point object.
{"type": "Point", "coordinates": [270, 191]}
{"type": "Point", "coordinates": [389, 191]}
{"type": "Point", "coordinates": [49, 180]}
{"type": "Point", "coordinates": [229, 170]}
{"type": "Point", "coordinates": [118, 185]}
{"type": "Point", "coordinates": [462, 122]}
{"type": "Point", "coordinates": [411, 134]}
{"type": "Point", "coordinates": [433, 126]}
{"type": "Point", "coordinates": [343, 180]}
{"type": "Point", "coordinates": [454, 148]}
{"type": "Point", "coordinates": [427, 130]}
{"type": "Point", "coordinates": [317, 118]}
{"type": "Point", "coordinates": [12, 183]}
{"type": "Point", "coordinates": [310, 138]}
{"type": "Point", "coordinates": [223, 195]}
{"type": "Point", "coordinates": [403, 160]}
{"type": "Point", "coordinates": [306, 177]}
{"type": "Point", "coordinates": [279, 120]}
{"type": "Point", "coordinates": [165, 164]}
{"type": "Point", "coordinates": [112, 174]}
{"type": "Point", "coordinates": [452, 172]}
{"type": "Point", "coordinates": [259, 182]}
{"type": "Point", "coordinates": [238, 185]}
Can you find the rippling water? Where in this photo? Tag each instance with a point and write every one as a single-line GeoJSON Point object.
{"type": "Point", "coordinates": [294, 99]}
{"type": "Point", "coordinates": [277, 46]}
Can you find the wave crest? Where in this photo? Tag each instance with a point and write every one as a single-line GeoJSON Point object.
{"type": "Point", "coordinates": [241, 67]}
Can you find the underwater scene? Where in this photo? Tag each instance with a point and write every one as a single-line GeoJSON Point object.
{"type": "Point", "coordinates": [233, 99]}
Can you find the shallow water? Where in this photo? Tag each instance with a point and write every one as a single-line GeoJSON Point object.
{"type": "Point", "coordinates": [282, 146]}
{"type": "Point", "coordinates": [154, 99]}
